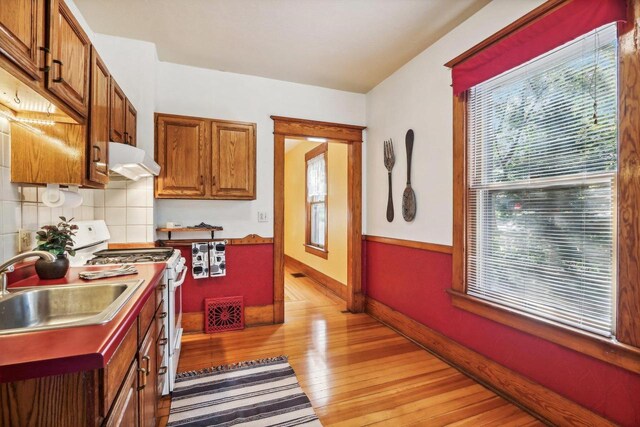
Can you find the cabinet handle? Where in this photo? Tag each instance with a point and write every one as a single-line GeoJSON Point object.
{"type": "Point", "coordinates": [147, 358]}
{"type": "Point", "coordinates": [162, 315]}
{"type": "Point", "coordinates": [202, 180]}
{"type": "Point", "coordinates": [162, 287]}
{"type": "Point", "coordinates": [47, 65]}
{"type": "Point", "coordinates": [163, 341]}
{"type": "Point", "coordinates": [144, 378]}
{"type": "Point", "coordinates": [125, 139]}
{"type": "Point", "coordinates": [60, 64]}
{"type": "Point", "coordinates": [162, 370]}
{"type": "Point", "coordinates": [96, 153]}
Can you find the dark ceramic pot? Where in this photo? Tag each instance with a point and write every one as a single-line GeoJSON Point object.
{"type": "Point", "coordinates": [52, 270]}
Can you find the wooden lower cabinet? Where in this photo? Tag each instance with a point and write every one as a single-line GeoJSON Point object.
{"type": "Point", "coordinates": [125, 409]}
{"type": "Point", "coordinates": [148, 379]}
{"type": "Point", "coordinates": [124, 393]}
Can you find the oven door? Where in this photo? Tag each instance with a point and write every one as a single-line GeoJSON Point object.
{"type": "Point", "coordinates": [175, 309]}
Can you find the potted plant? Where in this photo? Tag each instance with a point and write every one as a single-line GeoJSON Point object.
{"type": "Point", "coordinates": [58, 240]}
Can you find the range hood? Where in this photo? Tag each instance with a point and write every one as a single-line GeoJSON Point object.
{"type": "Point", "coordinates": [131, 162]}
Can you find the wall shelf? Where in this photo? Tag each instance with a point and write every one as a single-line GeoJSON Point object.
{"type": "Point", "coordinates": [189, 230]}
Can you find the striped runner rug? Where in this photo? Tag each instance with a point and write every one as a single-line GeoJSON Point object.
{"type": "Point", "coordinates": [258, 393]}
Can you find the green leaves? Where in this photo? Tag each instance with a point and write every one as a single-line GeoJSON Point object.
{"type": "Point", "coordinates": [57, 239]}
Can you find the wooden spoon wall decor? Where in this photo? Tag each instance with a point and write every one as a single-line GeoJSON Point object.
{"type": "Point", "coordinates": [409, 197]}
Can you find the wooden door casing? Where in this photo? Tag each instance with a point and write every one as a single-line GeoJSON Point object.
{"type": "Point", "coordinates": [182, 153]}
{"type": "Point", "coordinates": [98, 150]}
{"type": "Point", "coordinates": [22, 35]}
{"type": "Point", "coordinates": [234, 160]}
{"type": "Point", "coordinates": [68, 77]}
{"type": "Point", "coordinates": [131, 123]}
{"type": "Point", "coordinates": [118, 114]}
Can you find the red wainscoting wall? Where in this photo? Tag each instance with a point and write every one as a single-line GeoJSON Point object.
{"type": "Point", "coordinates": [414, 282]}
{"type": "Point", "coordinates": [249, 274]}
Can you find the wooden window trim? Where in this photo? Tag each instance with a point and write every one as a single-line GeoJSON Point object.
{"type": "Point", "coordinates": [624, 351]}
{"type": "Point", "coordinates": [309, 247]}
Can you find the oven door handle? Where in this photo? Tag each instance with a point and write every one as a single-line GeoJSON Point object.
{"type": "Point", "coordinates": [182, 278]}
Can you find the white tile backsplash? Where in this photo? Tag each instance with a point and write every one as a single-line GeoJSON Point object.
{"type": "Point", "coordinates": [129, 204]}
{"type": "Point", "coordinates": [115, 197]}
{"type": "Point", "coordinates": [118, 233]}
{"type": "Point", "coordinates": [136, 216]}
{"type": "Point", "coordinates": [11, 217]}
{"type": "Point", "coordinates": [126, 206]}
{"type": "Point", "coordinates": [115, 216]}
{"type": "Point", "coordinates": [136, 233]}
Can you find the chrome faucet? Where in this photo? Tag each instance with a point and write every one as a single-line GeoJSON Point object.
{"type": "Point", "coordinates": [7, 266]}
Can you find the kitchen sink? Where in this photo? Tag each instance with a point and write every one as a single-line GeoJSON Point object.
{"type": "Point", "coordinates": [63, 306]}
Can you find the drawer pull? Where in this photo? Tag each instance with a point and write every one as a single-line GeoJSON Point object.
{"type": "Point", "coordinates": [162, 315]}
{"type": "Point", "coordinates": [163, 341]}
{"type": "Point", "coordinates": [96, 154]}
{"type": "Point", "coordinates": [162, 287]}
{"type": "Point", "coordinates": [59, 79]}
{"type": "Point", "coordinates": [47, 52]}
{"type": "Point", "coordinates": [144, 378]}
{"type": "Point", "coordinates": [147, 359]}
{"type": "Point", "coordinates": [162, 370]}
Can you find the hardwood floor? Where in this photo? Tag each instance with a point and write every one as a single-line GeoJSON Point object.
{"type": "Point", "coordinates": [355, 370]}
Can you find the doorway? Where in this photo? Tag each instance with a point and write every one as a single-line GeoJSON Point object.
{"type": "Point", "coordinates": [286, 127]}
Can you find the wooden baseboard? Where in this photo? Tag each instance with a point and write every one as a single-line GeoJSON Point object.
{"type": "Point", "coordinates": [530, 395]}
{"type": "Point", "coordinates": [328, 282]}
{"type": "Point", "coordinates": [253, 316]}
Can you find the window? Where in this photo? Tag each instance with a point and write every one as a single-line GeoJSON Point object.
{"type": "Point", "coordinates": [316, 201]}
{"type": "Point", "coordinates": [541, 183]}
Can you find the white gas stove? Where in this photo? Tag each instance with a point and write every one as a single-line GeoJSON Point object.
{"type": "Point", "coordinates": [91, 245]}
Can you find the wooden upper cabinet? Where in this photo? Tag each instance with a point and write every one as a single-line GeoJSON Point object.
{"type": "Point", "coordinates": [68, 77]}
{"type": "Point", "coordinates": [118, 113]}
{"type": "Point", "coordinates": [22, 34]}
{"type": "Point", "coordinates": [181, 151]}
{"type": "Point", "coordinates": [234, 160]}
{"type": "Point", "coordinates": [98, 149]}
{"type": "Point", "coordinates": [131, 123]}
{"type": "Point", "coordinates": [205, 158]}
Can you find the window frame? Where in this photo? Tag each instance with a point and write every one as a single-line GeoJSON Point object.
{"type": "Point", "coordinates": [624, 350]}
{"type": "Point", "coordinates": [309, 247]}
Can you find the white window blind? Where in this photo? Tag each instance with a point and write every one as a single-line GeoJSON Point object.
{"type": "Point", "coordinates": [316, 198]}
{"type": "Point", "coordinates": [542, 159]}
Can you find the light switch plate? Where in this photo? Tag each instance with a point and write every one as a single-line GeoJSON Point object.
{"type": "Point", "coordinates": [24, 240]}
{"type": "Point", "coordinates": [262, 217]}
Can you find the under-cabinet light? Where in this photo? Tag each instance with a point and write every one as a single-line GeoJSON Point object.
{"type": "Point", "coordinates": [314, 139]}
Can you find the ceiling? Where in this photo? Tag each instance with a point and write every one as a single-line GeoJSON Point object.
{"type": "Point", "coordinates": [349, 45]}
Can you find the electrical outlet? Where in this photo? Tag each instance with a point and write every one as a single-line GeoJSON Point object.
{"type": "Point", "coordinates": [24, 240]}
{"type": "Point", "coordinates": [262, 217]}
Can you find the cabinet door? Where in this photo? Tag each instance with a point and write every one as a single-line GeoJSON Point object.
{"type": "Point", "coordinates": [182, 153]}
{"type": "Point", "coordinates": [234, 160]}
{"type": "Point", "coordinates": [148, 379]}
{"type": "Point", "coordinates": [99, 121]}
{"type": "Point", "coordinates": [131, 123]}
{"type": "Point", "coordinates": [124, 411]}
{"type": "Point", "coordinates": [118, 113]}
{"type": "Point", "coordinates": [70, 47]}
{"type": "Point", "coordinates": [22, 34]}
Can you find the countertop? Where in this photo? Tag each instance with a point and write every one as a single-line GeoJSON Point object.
{"type": "Point", "coordinates": [82, 348]}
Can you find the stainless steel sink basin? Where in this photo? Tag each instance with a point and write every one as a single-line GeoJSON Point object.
{"type": "Point", "coordinates": [51, 307]}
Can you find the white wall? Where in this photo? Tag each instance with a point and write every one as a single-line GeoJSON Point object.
{"type": "Point", "coordinates": [207, 93]}
{"type": "Point", "coordinates": [418, 96]}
